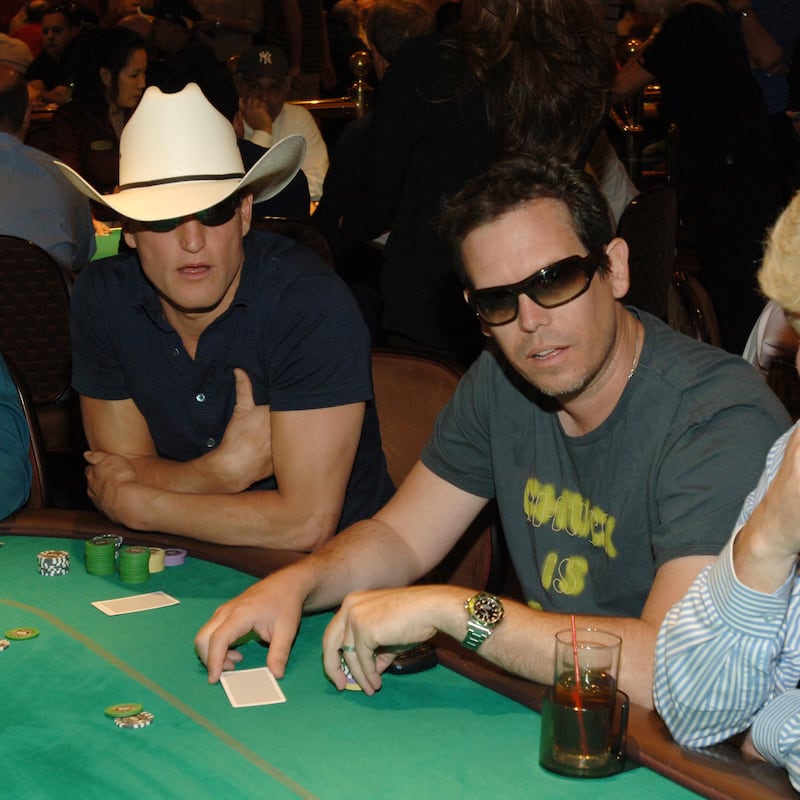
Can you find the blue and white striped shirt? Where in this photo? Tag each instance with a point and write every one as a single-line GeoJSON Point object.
{"type": "Point", "coordinates": [728, 657]}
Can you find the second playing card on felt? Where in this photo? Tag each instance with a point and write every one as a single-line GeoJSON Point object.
{"type": "Point", "coordinates": [251, 687]}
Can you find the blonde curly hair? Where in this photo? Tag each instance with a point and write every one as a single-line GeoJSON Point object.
{"type": "Point", "coordinates": [779, 276]}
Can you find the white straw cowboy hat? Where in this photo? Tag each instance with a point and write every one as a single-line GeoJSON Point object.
{"type": "Point", "coordinates": [178, 155]}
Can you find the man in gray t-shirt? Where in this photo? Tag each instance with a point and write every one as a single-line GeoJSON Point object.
{"type": "Point", "coordinates": [619, 453]}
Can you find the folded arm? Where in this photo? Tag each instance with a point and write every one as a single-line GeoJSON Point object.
{"type": "Point", "coordinates": [310, 452]}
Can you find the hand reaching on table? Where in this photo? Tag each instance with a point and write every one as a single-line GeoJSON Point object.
{"type": "Point", "coordinates": [371, 628]}
{"type": "Point", "coordinates": [272, 608]}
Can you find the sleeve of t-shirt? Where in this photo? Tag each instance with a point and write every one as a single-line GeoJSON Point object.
{"type": "Point", "coordinates": [712, 465]}
{"type": "Point", "coordinates": [320, 354]}
{"type": "Point", "coordinates": [459, 450]}
{"type": "Point", "coordinates": [96, 369]}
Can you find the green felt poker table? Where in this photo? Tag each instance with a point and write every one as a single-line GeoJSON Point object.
{"type": "Point", "coordinates": [460, 730]}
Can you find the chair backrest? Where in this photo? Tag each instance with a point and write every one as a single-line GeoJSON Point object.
{"type": "Point", "coordinates": [39, 496]}
{"type": "Point", "coordinates": [650, 227]}
{"type": "Point", "coordinates": [691, 310]}
{"type": "Point", "coordinates": [34, 318]}
{"type": "Point", "coordinates": [302, 231]}
{"type": "Point", "coordinates": [410, 391]}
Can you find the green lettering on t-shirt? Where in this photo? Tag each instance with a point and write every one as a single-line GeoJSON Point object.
{"type": "Point", "coordinates": [569, 512]}
{"type": "Point", "coordinates": [565, 575]}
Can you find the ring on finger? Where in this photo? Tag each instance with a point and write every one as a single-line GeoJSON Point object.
{"type": "Point", "coordinates": [347, 648]}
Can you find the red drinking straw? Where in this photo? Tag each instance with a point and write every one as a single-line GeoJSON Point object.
{"type": "Point", "coordinates": [576, 694]}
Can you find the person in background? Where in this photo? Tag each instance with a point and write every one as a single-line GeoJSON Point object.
{"type": "Point", "coordinates": [726, 657]}
{"type": "Point", "coordinates": [27, 24]}
{"type": "Point", "coordinates": [262, 82]}
{"type": "Point", "coordinates": [15, 53]}
{"type": "Point", "coordinates": [229, 25]}
{"type": "Point", "coordinates": [390, 23]}
{"type": "Point", "coordinates": [298, 28]}
{"type": "Point", "coordinates": [346, 35]}
{"type": "Point", "coordinates": [108, 88]}
{"type": "Point", "coordinates": [224, 373]}
{"type": "Point", "coordinates": [35, 191]}
{"type": "Point", "coordinates": [532, 76]}
{"type": "Point", "coordinates": [618, 451]}
{"type": "Point", "coordinates": [727, 172]}
{"type": "Point", "coordinates": [48, 78]}
{"type": "Point", "coordinates": [770, 30]}
{"type": "Point", "coordinates": [15, 464]}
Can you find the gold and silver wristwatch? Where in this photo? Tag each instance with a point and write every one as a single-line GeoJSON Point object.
{"type": "Point", "coordinates": [485, 612]}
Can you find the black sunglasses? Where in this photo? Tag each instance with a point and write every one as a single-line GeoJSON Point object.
{"type": "Point", "coordinates": [219, 214]}
{"type": "Point", "coordinates": [548, 287]}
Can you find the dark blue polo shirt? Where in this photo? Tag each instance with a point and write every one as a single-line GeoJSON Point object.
{"type": "Point", "coordinates": [293, 326]}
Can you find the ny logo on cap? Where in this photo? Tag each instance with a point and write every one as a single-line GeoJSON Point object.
{"type": "Point", "coordinates": [264, 57]}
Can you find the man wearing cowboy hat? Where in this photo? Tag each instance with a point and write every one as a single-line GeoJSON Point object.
{"type": "Point", "coordinates": [209, 363]}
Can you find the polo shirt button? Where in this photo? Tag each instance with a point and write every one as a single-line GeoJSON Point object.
{"type": "Point", "coordinates": [200, 397]}
{"type": "Point", "coordinates": [175, 352]}
{"type": "Point", "coordinates": [210, 442]}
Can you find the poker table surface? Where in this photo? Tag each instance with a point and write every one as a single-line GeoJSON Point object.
{"type": "Point", "coordinates": [460, 730]}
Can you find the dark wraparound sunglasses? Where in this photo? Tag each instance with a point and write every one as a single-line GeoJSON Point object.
{"type": "Point", "coordinates": [219, 214]}
{"type": "Point", "coordinates": [548, 287]}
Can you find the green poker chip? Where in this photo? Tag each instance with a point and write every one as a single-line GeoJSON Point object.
{"type": "Point", "coordinates": [124, 710]}
{"type": "Point", "coordinates": [22, 633]}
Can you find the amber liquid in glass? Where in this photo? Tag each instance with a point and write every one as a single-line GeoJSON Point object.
{"type": "Point", "coordinates": [582, 719]}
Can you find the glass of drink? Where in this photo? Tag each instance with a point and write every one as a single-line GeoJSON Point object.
{"type": "Point", "coordinates": [584, 715]}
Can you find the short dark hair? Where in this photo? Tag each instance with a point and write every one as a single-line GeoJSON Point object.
{"type": "Point", "coordinates": [13, 102]}
{"type": "Point", "coordinates": [517, 180]}
{"type": "Point", "coordinates": [68, 10]}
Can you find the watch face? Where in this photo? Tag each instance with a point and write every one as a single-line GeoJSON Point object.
{"type": "Point", "coordinates": [486, 609]}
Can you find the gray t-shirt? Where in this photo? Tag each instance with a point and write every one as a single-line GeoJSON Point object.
{"type": "Point", "coordinates": [589, 519]}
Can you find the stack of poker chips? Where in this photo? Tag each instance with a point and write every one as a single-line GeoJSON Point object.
{"type": "Point", "coordinates": [53, 562]}
{"type": "Point", "coordinates": [101, 555]}
{"type": "Point", "coordinates": [129, 715]}
{"type": "Point", "coordinates": [134, 564]}
{"type": "Point", "coordinates": [156, 560]}
{"type": "Point", "coordinates": [174, 556]}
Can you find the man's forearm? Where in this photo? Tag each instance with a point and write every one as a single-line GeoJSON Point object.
{"type": "Point", "coordinates": [198, 476]}
{"type": "Point", "coordinates": [524, 644]}
{"type": "Point", "coordinates": [710, 656]}
{"type": "Point", "coordinates": [258, 518]}
{"type": "Point", "coordinates": [368, 555]}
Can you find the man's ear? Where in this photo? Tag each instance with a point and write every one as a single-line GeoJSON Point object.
{"type": "Point", "coordinates": [485, 329]}
{"type": "Point", "coordinates": [129, 238]}
{"type": "Point", "coordinates": [618, 267]}
{"type": "Point", "coordinates": [246, 211]}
